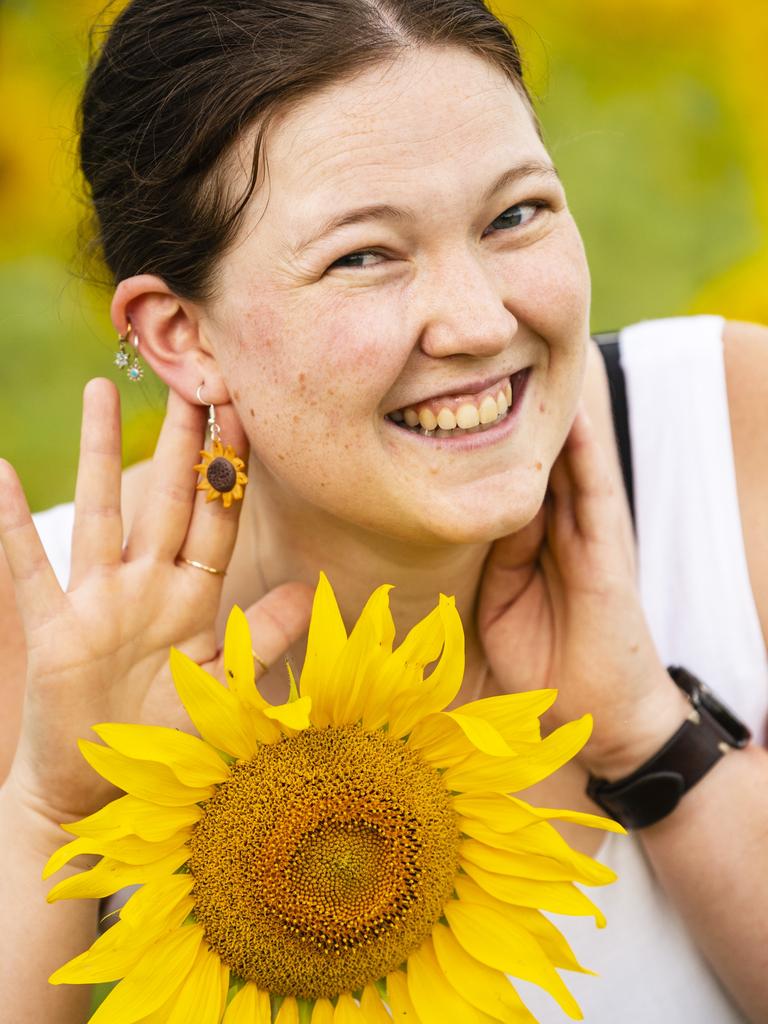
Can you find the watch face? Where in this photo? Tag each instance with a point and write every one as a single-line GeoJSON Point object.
{"type": "Point", "coordinates": [702, 696]}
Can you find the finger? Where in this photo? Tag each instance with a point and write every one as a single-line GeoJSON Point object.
{"type": "Point", "coordinates": [97, 534]}
{"type": "Point", "coordinates": [37, 590]}
{"type": "Point", "coordinates": [510, 567]}
{"type": "Point", "coordinates": [212, 530]}
{"type": "Point", "coordinates": [162, 520]}
{"type": "Point", "coordinates": [277, 621]}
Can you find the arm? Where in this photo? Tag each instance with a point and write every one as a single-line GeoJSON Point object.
{"type": "Point", "coordinates": [562, 594]}
{"type": "Point", "coordinates": [99, 653]}
{"type": "Point", "coordinates": [716, 841]}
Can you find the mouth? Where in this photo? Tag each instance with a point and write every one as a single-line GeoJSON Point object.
{"type": "Point", "coordinates": [458, 415]}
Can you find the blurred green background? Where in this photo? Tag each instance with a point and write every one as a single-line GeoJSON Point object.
{"type": "Point", "coordinates": [655, 113]}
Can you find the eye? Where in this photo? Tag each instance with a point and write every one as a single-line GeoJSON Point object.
{"type": "Point", "coordinates": [521, 213]}
{"type": "Point", "coordinates": [341, 262]}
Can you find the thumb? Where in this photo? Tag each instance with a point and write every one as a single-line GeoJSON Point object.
{"type": "Point", "coordinates": [278, 620]}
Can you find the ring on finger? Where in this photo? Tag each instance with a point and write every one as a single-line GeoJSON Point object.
{"type": "Point", "coordinates": [201, 565]}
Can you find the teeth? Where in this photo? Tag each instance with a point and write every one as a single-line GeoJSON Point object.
{"type": "Point", "coordinates": [446, 420]}
{"type": "Point", "coordinates": [397, 416]}
{"type": "Point", "coordinates": [488, 410]}
{"type": "Point", "coordinates": [411, 417]}
{"type": "Point", "coordinates": [467, 416]}
{"type": "Point", "coordinates": [508, 393]}
{"type": "Point", "coordinates": [427, 419]}
{"type": "Point", "coordinates": [502, 403]}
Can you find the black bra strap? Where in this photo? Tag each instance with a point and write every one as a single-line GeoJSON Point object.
{"type": "Point", "coordinates": [608, 344]}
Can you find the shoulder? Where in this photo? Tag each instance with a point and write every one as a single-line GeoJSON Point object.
{"type": "Point", "coordinates": [745, 356]}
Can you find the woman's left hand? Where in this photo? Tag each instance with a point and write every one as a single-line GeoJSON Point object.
{"type": "Point", "coordinates": [559, 607]}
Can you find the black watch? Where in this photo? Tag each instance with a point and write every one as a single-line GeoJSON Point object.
{"type": "Point", "coordinates": [654, 790]}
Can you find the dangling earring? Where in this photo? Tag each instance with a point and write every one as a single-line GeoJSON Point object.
{"type": "Point", "coordinates": [221, 469]}
{"type": "Point", "coordinates": [133, 370]}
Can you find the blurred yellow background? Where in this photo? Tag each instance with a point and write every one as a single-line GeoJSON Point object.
{"type": "Point", "coordinates": [655, 114]}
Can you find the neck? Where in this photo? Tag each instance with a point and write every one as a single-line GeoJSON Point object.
{"type": "Point", "coordinates": [286, 539]}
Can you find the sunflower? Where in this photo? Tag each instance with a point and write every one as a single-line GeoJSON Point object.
{"type": "Point", "coordinates": [222, 473]}
{"type": "Point", "coordinates": [354, 854]}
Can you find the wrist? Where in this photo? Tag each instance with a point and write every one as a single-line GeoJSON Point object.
{"type": "Point", "coordinates": [32, 825]}
{"type": "Point", "coordinates": [639, 733]}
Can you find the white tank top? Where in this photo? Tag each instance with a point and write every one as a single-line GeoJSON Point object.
{"type": "Point", "coordinates": [695, 590]}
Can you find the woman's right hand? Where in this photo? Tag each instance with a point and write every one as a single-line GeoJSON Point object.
{"type": "Point", "coordinates": [99, 651]}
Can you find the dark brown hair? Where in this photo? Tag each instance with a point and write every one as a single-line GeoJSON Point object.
{"type": "Point", "coordinates": [176, 82]}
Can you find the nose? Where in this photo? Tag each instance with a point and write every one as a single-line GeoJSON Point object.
{"type": "Point", "coordinates": [466, 311]}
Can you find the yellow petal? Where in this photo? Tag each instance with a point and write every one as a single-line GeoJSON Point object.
{"type": "Point", "coordinates": [403, 669]}
{"type": "Point", "coordinates": [128, 849]}
{"type": "Point", "coordinates": [538, 851]}
{"type": "Point", "coordinates": [436, 1002]}
{"type": "Point", "coordinates": [576, 817]}
{"type": "Point", "coordinates": [360, 662]}
{"type": "Point", "coordinates": [200, 997]}
{"type": "Point", "coordinates": [514, 715]}
{"type": "Point", "coordinates": [442, 686]}
{"type": "Point", "coordinates": [556, 897]}
{"type": "Point", "coordinates": [147, 780]}
{"type": "Point", "coordinates": [288, 1012]}
{"type": "Point", "coordinates": [372, 1007]}
{"type": "Point", "coordinates": [495, 810]}
{"type": "Point", "coordinates": [347, 1011]}
{"type": "Point", "coordinates": [492, 938]}
{"type": "Point", "coordinates": [322, 1012]}
{"type": "Point", "coordinates": [482, 986]}
{"type": "Point", "coordinates": [192, 761]}
{"type": "Point", "coordinates": [107, 876]}
{"type": "Point", "coordinates": [147, 987]}
{"type": "Point", "coordinates": [249, 1006]}
{"type": "Point", "coordinates": [502, 775]}
{"type": "Point", "coordinates": [399, 1000]}
{"type": "Point", "coordinates": [239, 667]}
{"type": "Point", "coordinates": [551, 941]}
{"type": "Point", "coordinates": [325, 642]}
{"type": "Point", "coordinates": [149, 913]}
{"type": "Point", "coordinates": [293, 716]}
{"type": "Point", "coordinates": [215, 711]}
{"type": "Point", "coordinates": [447, 736]}
{"type": "Point", "coordinates": [130, 816]}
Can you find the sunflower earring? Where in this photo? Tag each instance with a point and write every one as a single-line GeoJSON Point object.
{"type": "Point", "coordinates": [221, 469]}
{"type": "Point", "coordinates": [133, 370]}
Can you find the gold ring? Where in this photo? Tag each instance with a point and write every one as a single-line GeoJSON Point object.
{"type": "Point", "coordinates": [201, 565]}
{"type": "Point", "coordinates": [261, 661]}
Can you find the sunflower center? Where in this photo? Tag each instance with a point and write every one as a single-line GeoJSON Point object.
{"type": "Point", "coordinates": [221, 475]}
{"type": "Point", "coordinates": [324, 861]}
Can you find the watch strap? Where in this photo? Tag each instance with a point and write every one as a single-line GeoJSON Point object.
{"type": "Point", "coordinates": [654, 790]}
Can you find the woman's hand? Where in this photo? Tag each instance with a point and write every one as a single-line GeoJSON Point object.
{"type": "Point", "coordinates": [559, 608]}
{"type": "Point", "coordinates": [99, 652]}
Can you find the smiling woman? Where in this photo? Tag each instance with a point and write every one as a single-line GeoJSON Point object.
{"type": "Point", "coordinates": [339, 223]}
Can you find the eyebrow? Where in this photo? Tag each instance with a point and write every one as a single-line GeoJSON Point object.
{"type": "Point", "coordinates": [385, 211]}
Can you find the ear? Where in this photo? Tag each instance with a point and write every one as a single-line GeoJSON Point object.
{"type": "Point", "coordinates": [170, 337]}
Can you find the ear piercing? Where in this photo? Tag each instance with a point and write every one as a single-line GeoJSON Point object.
{"type": "Point", "coordinates": [133, 370]}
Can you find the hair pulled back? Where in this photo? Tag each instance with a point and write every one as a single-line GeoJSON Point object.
{"type": "Point", "coordinates": [176, 83]}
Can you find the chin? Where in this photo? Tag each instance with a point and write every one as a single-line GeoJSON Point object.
{"type": "Point", "coordinates": [483, 516]}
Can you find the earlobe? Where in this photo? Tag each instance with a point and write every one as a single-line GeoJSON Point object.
{"type": "Point", "coordinates": [169, 338]}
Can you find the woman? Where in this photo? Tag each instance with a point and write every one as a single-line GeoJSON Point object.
{"type": "Point", "coordinates": [225, 150]}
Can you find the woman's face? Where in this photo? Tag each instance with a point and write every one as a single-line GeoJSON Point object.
{"type": "Point", "coordinates": [327, 337]}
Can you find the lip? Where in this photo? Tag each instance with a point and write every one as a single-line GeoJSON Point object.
{"type": "Point", "coordinates": [471, 442]}
{"type": "Point", "coordinates": [467, 390]}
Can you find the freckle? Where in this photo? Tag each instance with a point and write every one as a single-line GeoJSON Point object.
{"type": "Point", "coordinates": [433, 471]}
{"type": "Point", "coordinates": [634, 648]}
{"type": "Point", "coordinates": [252, 412]}
{"type": "Point", "coordinates": [236, 395]}
{"type": "Point", "coordinates": [538, 466]}
{"type": "Point", "coordinates": [542, 407]}
{"type": "Point", "coordinates": [281, 457]}
{"type": "Point", "coordinates": [296, 418]}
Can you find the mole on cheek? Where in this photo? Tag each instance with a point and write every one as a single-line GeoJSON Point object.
{"type": "Point", "coordinates": [542, 407]}
{"type": "Point", "coordinates": [252, 412]}
{"type": "Point", "coordinates": [538, 466]}
{"type": "Point", "coordinates": [236, 395]}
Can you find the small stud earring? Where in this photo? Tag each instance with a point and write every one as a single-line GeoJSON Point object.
{"type": "Point", "coordinates": [221, 468]}
{"type": "Point", "coordinates": [133, 370]}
